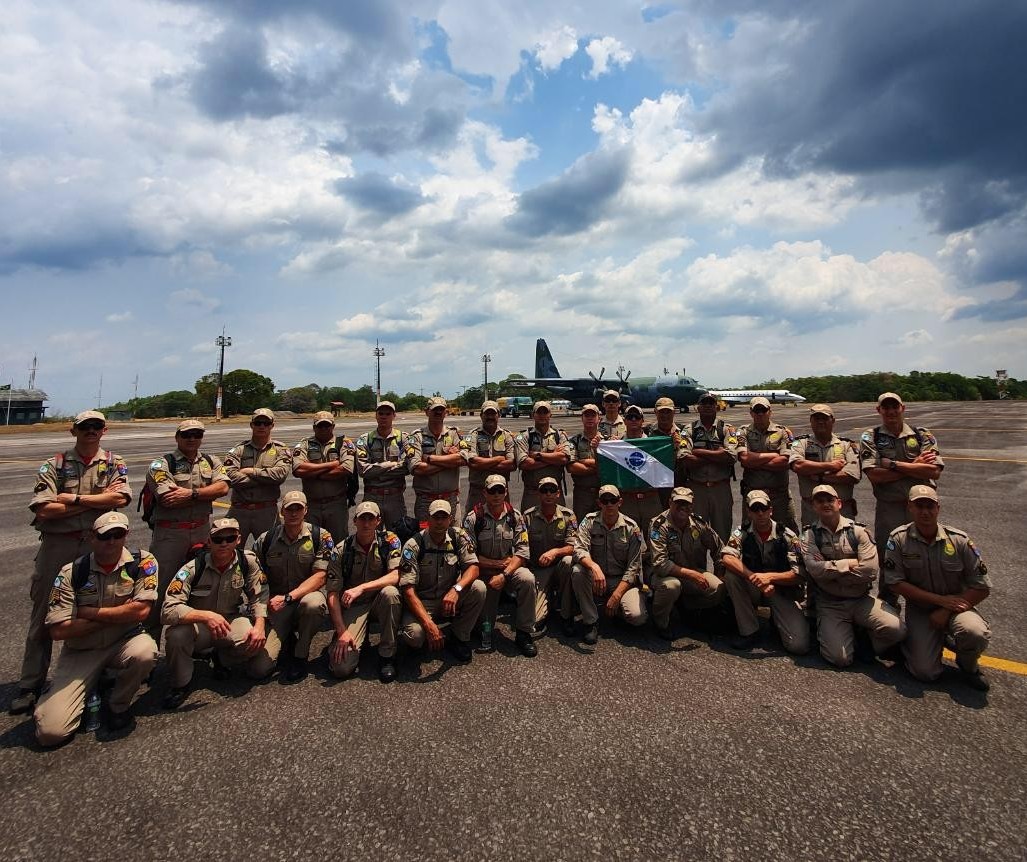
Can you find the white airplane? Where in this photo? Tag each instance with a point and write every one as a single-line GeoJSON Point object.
{"type": "Point", "coordinates": [744, 396]}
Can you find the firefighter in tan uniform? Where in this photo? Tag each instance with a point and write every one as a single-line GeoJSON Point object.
{"type": "Point", "coordinates": [763, 449]}
{"type": "Point", "coordinates": [183, 486]}
{"type": "Point", "coordinates": [384, 456]}
{"type": "Point", "coordinates": [256, 469]}
{"type": "Point", "coordinates": [216, 601]}
{"type": "Point", "coordinates": [363, 581]}
{"type": "Point", "coordinates": [436, 461]}
{"type": "Point", "coordinates": [71, 490]}
{"type": "Point", "coordinates": [294, 556]}
{"type": "Point", "coordinates": [540, 451]}
{"type": "Point", "coordinates": [665, 412]}
{"type": "Point", "coordinates": [711, 466]}
{"type": "Point", "coordinates": [823, 458]}
{"type": "Point", "coordinates": [612, 426]}
{"type": "Point", "coordinates": [551, 532]}
{"type": "Point", "coordinates": [324, 464]}
{"type": "Point", "coordinates": [583, 467]}
{"type": "Point", "coordinates": [640, 505]}
{"type": "Point", "coordinates": [486, 450]}
{"type": "Point", "coordinates": [96, 607]}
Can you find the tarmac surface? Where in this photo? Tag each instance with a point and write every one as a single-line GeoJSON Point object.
{"type": "Point", "coordinates": [632, 749]}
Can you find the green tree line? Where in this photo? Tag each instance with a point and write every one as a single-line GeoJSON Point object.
{"type": "Point", "coordinates": [915, 386]}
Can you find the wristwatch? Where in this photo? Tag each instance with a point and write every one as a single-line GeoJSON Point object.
{"type": "Point", "coordinates": [458, 587]}
{"type": "Point", "coordinates": [289, 599]}
{"type": "Point", "coordinates": [196, 494]}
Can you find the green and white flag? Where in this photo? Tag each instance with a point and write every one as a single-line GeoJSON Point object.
{"type": "Point", "coordinates": [634, 465]}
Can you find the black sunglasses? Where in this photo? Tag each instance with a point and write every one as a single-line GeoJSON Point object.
{"type": "Point", "coordinates": [760, 410]}
{"type": "Point", "coordinates": [610, 400]}
{"type": "Point", "coordinates": [191, 435]}
{"type": "Point", "coordinates": [549, 489]}
{"type": "Point", "coordinates": [90, 426]}
{"type": "Point", "coordinates": [224, 540]}
{"type": "Point", "coordinates": [495, 489]}
{"type": "Point", "coordinates": [111, 535]}
{"type": "Point", "coordinates": [758, 507]}
{"type": "Point", "coordinates": [608, 500]}
{"type": "Point", "coordinates": [262, 423]}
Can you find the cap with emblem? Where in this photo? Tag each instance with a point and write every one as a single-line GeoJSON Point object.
{"type": "Point", "coordinates": [490, 405]}
{"type": "Point", "coordinates": [440, 506]}
{"type": "Point", "coordinates": [110, 521]}
{"type": "Point", "coordinates": [435, 401]}
{"type": "Point", "coordinates": [542, 405]}
{"type": "Point", "coordinates": [609, 489]}
{"type": "Point", "coordinates": [890, 396]}
{"type": "Point", "coordinates": [707, 396]}
{"type": "Point", "coordinates": [634, 410]}
{"type": "Point", "coordinates": [755, 498]}
{"type": "Point", "coordinates": [385, 405]}
{"type": "Point", "coordinates": [548, 482]}
{"type": "Point", "coordinates": [611, 393]}
{"type": "Point", "coordinates": [367, 507]}
{"type": "Point", "coordinates": [291, 498]}
{"type": "Point", "coordinates": [922, 492]}
{"type": "Point", "coordinates": [265, 412]}
{"type": "Point", "coordinates": [190, 425]}
{"type": "Point", "coordinates": [590, 408]}
{"type": "Point", "coordinates": [495, 479]}
{"type": "Point", "coordinates": [220, 525]}
{"type": "Point", "coordinates": [759, 401]}
{"type": "Point", "coordinates": [323, 417]}
{"type": "Point", "coordinates": [86, 415]}
{"type": "Point", "coordinates": [821, 410]}
{"type": "Point", "coordinates": [682, 495]}
{"type": "Point", "coordinates": [665, 404]}
{"type": "Point", "coordinates": [824, 489]}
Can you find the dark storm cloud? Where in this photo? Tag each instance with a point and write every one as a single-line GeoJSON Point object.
{"type": "Point", "coordinates": [378, 194]}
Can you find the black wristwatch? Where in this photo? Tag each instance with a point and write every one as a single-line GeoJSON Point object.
{"type": "Point", "coordinates": [289, 599]}
{"type": "Point", "coordinates": [196, 494]}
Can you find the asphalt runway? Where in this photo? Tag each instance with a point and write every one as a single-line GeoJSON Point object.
{"type": "Point", "coordinates": [633, 749]}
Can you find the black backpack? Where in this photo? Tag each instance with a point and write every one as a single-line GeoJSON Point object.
{"type": "Point", "coordinates": [80, 574]}
{"type": "Point", "coordinates": [261, 548]}
{"type": "Point", "coordinates": [422, 549]}
{"type": "Point", "coordinates": [349, 552]}
{"type": "Point", "coordinates": [147, 503]}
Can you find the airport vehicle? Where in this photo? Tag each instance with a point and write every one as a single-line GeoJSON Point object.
{"type": "Point", "coordinates": [642, 391]}
{"type": "Point", "coordinates": [744, 396]}
{"type": "Point", "coordinates": [515, 405]}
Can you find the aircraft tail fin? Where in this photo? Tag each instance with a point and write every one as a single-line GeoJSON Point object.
{"type": "Point", "coordinates": [544, 364]}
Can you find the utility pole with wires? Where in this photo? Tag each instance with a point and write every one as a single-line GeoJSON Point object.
{"type": "Point", "coordinates": [222, 341]}
{"type": "Point", "coordinates": [379, 352]}
{"type": "Point", "coordinates": [485, 360]}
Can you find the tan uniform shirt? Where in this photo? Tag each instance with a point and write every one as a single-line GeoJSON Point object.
{"type": "Point", "coordinates": [877, 443]}
{"type": "Point", "coordinates": [102, 590]}
{"type": "Point", "coordinates": [545, 535]}
{"type": "Point", "coordinates": [809, 448]}
{"type": "Point", "coordinates": [435, 573]}
{"type": "Point", "coordinates": [498, 538]}
{"type": "Point", "coordinates": [579, 448]}
{"type": "Point", "coordinates": [67, 473]}
{"type": "Point", "coordinates": [949, 565]}
{"type": "Point", "coordinates": [424, 443]}
{"type": "Point", "coordinates": [616, 430]}
{"type": "Point", "coordinates": [367, 564]}
{"type": "Point", "coordinates": [822, 549]}
{"type": "Point", "coordinates": [221, 592]}
{"type": "Point", "coordinates": [374, 451]}
{"type": "Point", "coordinates": [688, 548]}
{"type": "Point", "coordinates": [777, 438]}
{"type": "Point", "coordinates": [163, 477]}
{"type": "Point", "coordinates": [720, 435]}
{"type": "Point", "coordinates": [338, 449]}
{"type": "Point", "coordinates": [273, 464]}
{"type": "Point", "coordinates": [533, 440]}
{"type": "Point", "coordinates": [480, 444]}
{"type": "Point", "coordinates": [617, 550]}
{"type": "Point", "coordinates": [288, 564]}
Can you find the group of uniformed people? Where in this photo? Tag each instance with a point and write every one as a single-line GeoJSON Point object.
{"type": "Point", "coordinates": [624, 553]}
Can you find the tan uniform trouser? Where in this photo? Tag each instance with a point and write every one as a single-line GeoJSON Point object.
{"type": "Point", "coordinates": [715, 504]}
{"type": "Point", "coordinates": [55, 552]}
{"type": "Point", "coordinates": [253, 522]}
{"type": "Point", "coordinates": [671, 590]}
{"type": "Point", "coordinates": [522, 584]}
{"type": "Point", "coordinates": [386, 607]}
{"type": "Point", "coordinates": [468, 609]}
{"type": "Point", "coordinates": [923, 644]}
{"type": "Point", "coordinates": [392, 505]}
{"type": "Point", "coordinates": [182, 641]}
{"type": "Point", "coordinates": [423, 501]}
{"type": "Point", "coordinates": [887, 516]}
{"type": "Point", "coordinates": [786, 613]}
{"type": "Point", "coordinates": [332, 516]}
{"type": "Point", "coordinates": [632, 604]}
{"type": "Point", "coordinates": [837, 618]}
{"type": "Point", "coordinates": [170, 547]}
{"type": "Point", "coordinates": [59, 712]}
{"type": "Point", "coordinates": [303, 617]}
{"type": "Point", "coordinates": [560, 575]}
{"type": "Point", "coordinates": [586, 500]}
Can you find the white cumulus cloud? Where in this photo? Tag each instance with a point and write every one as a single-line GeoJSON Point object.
{"type": "Point", "coordinates": [606, 52]}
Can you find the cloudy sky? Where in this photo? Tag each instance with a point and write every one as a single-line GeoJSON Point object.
{"type": "Point", "coordinates": [743, 189]}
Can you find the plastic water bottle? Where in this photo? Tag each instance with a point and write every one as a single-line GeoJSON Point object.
{"type": "Point", "coordinates": [92, 716]}
{"type": "Point", "coordinates": [486, 636]}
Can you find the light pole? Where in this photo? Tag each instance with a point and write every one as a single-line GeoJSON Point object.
{"type": "Point", "coordinates": [486, 359]}
{"type": "Point", "coordinates": [222, 341]}
{"type": "Point", "coordinates": [379, 352]}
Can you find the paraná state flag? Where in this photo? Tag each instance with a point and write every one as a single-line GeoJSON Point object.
{"type": "Point", "coordinates": [633, 465]}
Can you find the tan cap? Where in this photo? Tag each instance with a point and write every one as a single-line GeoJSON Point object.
{"type": "Point", "coordinates": [633, 408]}
{"type": "Point", "coordinates": [754, 497]}
{"type": "Point", "coordinates": [611, 393]}
{"type": "Point", "coordinates": [824, 489]}
{"type": "Point", "coordinates": [489, 405]}
{"type": "Point", "coordinates": [110, 521]}
{"type": "Point", "coordinates": [324, 416]}
{"type": "Point", "coordinates": [884, 396]}
{"type": "Point", "coordinates": [291, 498]}
{"type": "Point", "coordinates": [219, 525]}
{"type": "Point", "coordinates": [265, 412]}
{"type": "Point", "coordinates": [385, 405]}
{"type": "Point", "coordinates": [759, 401]}
{"type": "Point", "coordinates": [609, 489]}
{"type": "Point", "coordinates": [922, 492]}
{"type": "Point", "coordinates": [821, 408]}
{"type": "Point", "coordinates": [440, 506]}
{"type": "Point", "coordinates": [548, 480]}
{"type": "Point", "coordinates": [494, 479]}
{"type": "Point", "coordinates": [590, 408]}
{"type": "Point", "coordinates": [707, 396]}
{"type": "Point", "coordinates": [682, 495]}
{"type": "Point", "coordinates": [190, 425]}
{"type": "Point", "coordinates": [435, 401]}
{"type": "Point", "coordinates": [665, 404]}
{"type": "Point", "coordinates": [86, 415]}
{"type": "Point", "coordinates": [540, 405]}
{"type": "Point", "coordinates": [367, 506]}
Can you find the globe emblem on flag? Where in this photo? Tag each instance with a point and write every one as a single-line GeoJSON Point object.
{"type": "Point", "coordinates": [636, 460]}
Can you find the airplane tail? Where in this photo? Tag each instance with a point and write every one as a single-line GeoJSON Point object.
{"type": "Point", "coordinates": [544, 365]}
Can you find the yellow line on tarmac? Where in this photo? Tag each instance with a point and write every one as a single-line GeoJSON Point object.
{"type": "Point", "coordinates": [1016, 667]}
{"type": "Point", "coordinates": [990, 460]}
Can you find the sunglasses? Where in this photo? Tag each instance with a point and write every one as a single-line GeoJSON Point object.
{"type": "Point", "coordinates": [549, 489]}
{"type": "Point", "coordinates": [608, 500]}
{"type": "Point", "coordinates": [610, 400]}
{"type": "Point", "coordinates": [682, 504]}
{"type": "Point", "coordinates": [225, 540]}
{"type": "Point", "coordinates": [191, 435]}
{"type": "Point", "coordinates": [438, 516]}
{"type": "Point", "coordinates": [293, 508]}
{"type": "Point", "coordinates": [759, 507]}
{"type": "Point", "coordinates": [261, 423]}
{"type": "Point", "coordinates": [498, 489]}
{"type": "Point", "coordinates": [90, 426]}
{"type": "Point", "coordinates": [111, 535]}
{"type": "Point", "coordinates": [760, 410]}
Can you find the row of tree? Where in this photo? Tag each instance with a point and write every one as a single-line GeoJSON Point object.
{"type": "Point", "coordinates": [915, 386]}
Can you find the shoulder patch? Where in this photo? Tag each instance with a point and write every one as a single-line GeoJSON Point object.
{"type": "Point", "coordinates": [867, 437]}
{"type": "Point", "coordinates": [157, 465]}
{"type": "Point", "coordinates": [149, 565]}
